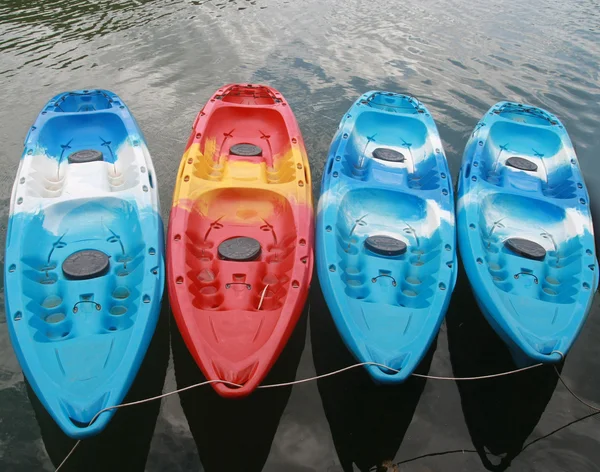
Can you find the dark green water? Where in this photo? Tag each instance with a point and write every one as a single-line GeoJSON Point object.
{"type": "Point", "coordinates": [165, 59]}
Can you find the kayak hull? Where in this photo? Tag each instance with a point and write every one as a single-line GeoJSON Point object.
{"type": "Point", "coordinates": [385, 233]}
{"type": "Point", "coordinates": [84, 257]}
{"type": "Point", "coordinates": [244, 175]}
{"type": "Point", "coordinates": [525, 231]}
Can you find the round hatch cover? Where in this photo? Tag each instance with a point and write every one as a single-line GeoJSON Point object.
{"type": "Point", "coordinates": [241, 249]}
{"type": "Point", "coordinates": [385, 245]}
{"type": "Point", "coordinates": [85, 264]}
{"type": "Point", "coordinates": [87, 155]}
{"type": "Point", "coordinates": [389, 155]}
{"type": "Point", "coordinates": [521, 164]}
{"type": "Point", "coordinates": [526, 248]}
{"type": "Point", "coordinates": [245, 149]}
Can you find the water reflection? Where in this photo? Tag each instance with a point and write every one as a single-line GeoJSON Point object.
{"type": "Point", "coordinates": [368, 422]}
{"type": "Point", "coordinates": [500, 413]}
{"type": "Point", "coordinates": [235, 433]}
{"type": "Point", "coordinates": [126, 440]}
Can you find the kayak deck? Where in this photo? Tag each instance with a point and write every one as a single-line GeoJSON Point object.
{"type": "Point", "coordinates": [385, 233]}
{"type": "Point", "coordinates": [83, 257]}
{"type": "Point", "coordinates": [240, 235]}
{"type": "Point", "coordinates": [525, 231]}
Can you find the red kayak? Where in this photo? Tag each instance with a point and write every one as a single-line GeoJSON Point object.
{"type": "Point", "coordinates": [240, 241]}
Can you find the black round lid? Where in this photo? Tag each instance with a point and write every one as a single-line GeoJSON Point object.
{"type": "Point", "coordinates": [385, 245]}
{"type": "Point", "coordinates": [526, 248]}
{"type": "Point", "coordinates": [87, 155]}
{"type": "Point", "coordinates": [85, 264]}
{"type": "Point", "coordinates": [522, 164]}
{"type": "Point", "coordinates": [389, 155]}
{"type": "Point", "coordinates": [245, 149]}
{"type": "Point", "coordinates": [240, 249]}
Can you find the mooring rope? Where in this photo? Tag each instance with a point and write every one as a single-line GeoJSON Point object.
{"type": "Point", "coordinates": [581, 400]}
{"type": "Point", "coordinates": [322, 376]}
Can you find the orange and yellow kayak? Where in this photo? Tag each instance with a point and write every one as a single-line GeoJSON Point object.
{"type": "Point", "coordinates": [240, 240]}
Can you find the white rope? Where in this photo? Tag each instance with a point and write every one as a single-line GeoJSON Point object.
{"type": "Point", "coordinates": [285, 384]}
{"type": "Point", "coordinates": [144, 400]}
{"type": "Point", "coordinates": [581, 400]}
{"type": "Point", "coordinates": [321, 376]}
{"type": "Point", "coordinates": [68, 455]}
{"type": "Point", "coordinates": [262, 297]}
{"type": "Point", "coordinates": [480, 377]}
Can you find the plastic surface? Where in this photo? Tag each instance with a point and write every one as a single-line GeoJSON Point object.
{"type": "Point", "coordinates": [80, 342]}
{"type": "Point", "coordinates": [537, 305]}
{"type": "Point", "coordinates": [388, 308]}
{"type": "Point", "coordinates": [236, 317]}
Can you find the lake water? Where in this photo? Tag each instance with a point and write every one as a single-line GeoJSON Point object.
{"type": "Point", "coordinates": [165, 58]}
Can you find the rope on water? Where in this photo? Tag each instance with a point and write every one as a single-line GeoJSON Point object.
{"type": "Point", "coordinates": [480, 377]}
{"type": "Point", "coordinates": [144, 400]}
{"type": "Point", "coordinates": [581, 400]}
{"type": "Point", "coordinates": [317, 377]}
{"type": "Point", "coordinates": [376, 364]}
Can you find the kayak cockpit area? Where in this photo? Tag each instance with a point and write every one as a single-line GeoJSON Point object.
{"type": "Point", "coordinates": [390, 247]}
{"type": "Point", "coordinates": [82, 267]}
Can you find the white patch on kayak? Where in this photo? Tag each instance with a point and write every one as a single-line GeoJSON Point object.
{"type": "Point", "coordinates": [412, 156]}
{"type": "Point", "coordinates": [330, 197]}
{"type": "Point", "coordinates": [54, 214]}
{"type": "Point", "coordinates": [574, 224]}
{"type": "Point", "coordinates": [423, 228]}
{"type": "Point", "coordinates": [577, 223]}
{"type": "Point", "coordinates": [441, 215]}
{"type": "Point", "coordinates": [42, 182]}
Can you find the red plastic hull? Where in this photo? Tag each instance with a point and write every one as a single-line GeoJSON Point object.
{"type": "Point", "coordinates": [236, 317]}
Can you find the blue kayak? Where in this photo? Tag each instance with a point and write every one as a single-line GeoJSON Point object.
{"type": "Point", "coordinates": [525, 231]}
{"type": "Point", "coordinates": [385, 233]}
{"type": "Point", "coordinates": [84, 257]}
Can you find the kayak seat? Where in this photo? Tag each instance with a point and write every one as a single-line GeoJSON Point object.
{"type": "Point", "coordinates": [227, 152]}
{"type": "Point", "coordinates": [101, 131]}
{"type": "Point", "coordinates": [360, 157]}
{"type": "Point", "coordinates": [515, 155]}
{"type": "Point", "coordinates": [66, 303]}
{"type": "Point", "coordinates": [51, 170]}
{"type": "Point", "coordinates": [260, 215]}
{"type": "Point", "coordinates": [536, 268]}
{"type": "Point", "coordinates": [404, 278]}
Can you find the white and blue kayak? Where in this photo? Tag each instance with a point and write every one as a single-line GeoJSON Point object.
{"type": "Point", "coordinates": [84, 257]}
{"type": "Point", "coordinates": [525, 231]}
{"type": "Point", "coordinates": [385, 233]}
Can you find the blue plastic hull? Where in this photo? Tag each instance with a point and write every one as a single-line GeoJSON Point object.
{"type": "Point", "coordinates": [80, 341]}
{"type": "Point", "coordinates": [389, 307]}
{"type": "Point", "coordinates": [520, 179]}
